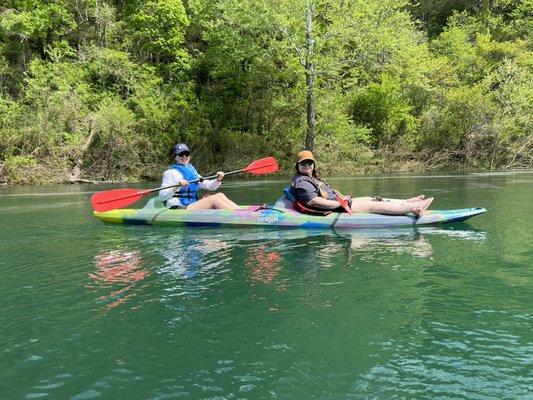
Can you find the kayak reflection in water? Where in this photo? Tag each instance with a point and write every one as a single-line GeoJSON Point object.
{"type": "Point", "coordinates": [186, 196]}
{"type": "Point", "coordinates": [315, 196]}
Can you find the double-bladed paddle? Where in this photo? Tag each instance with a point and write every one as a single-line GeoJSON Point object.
{"type": "Point", "coordinates": [117, 198]}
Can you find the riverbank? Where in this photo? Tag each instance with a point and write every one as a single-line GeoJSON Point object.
{"type": "Point", "coordinates": [328, 169]}
{"type": "Point", "coordinates": [103, 92]}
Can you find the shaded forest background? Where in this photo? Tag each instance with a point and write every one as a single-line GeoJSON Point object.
{"type": "Point", "coordinates": [101, 89]}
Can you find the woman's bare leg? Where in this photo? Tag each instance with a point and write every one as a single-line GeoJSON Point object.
{"type": "Point", "coordinates": [391, 207]}
{"type": "Point", "coordinates": [417, 198]}
{"type": "Point", "coordinates": [216, 201]}
{"type": "Point", "coordinates": [381, 207]}
{"type": "Point", "coordinates": [206, 203]}
{"type": "Point", "coordinates": [229, 203]}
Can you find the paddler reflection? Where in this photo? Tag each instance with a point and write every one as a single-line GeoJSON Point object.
{"type": "Point", "coordinates": [310, 251]}
{"type": "Point", "coordinates": [270, 252]}
{"type": "Point", "coordinates": [118, 271]}
{"type": "Point", "coordinates": [193, 261]}
{"type": "Point", "coordinates": [185, 258]}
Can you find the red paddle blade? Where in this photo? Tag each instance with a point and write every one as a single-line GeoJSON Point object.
{"type": "Point", "coordinates": [263, 166]}
{"type": "Point", "coordinates": [117, 198]}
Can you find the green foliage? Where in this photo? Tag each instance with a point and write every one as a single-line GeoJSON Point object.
{"type": "Point", "coordinates": [465, 111]}
{"type": "Point", "coordinates": [117, 149]}
{"type": "Point", "coordinates": [384, 109]}
{"type": "Point", "coordinates": [512, 94]}
{"type": "Point", "coordinates": [112, 85]}
{"type": "Point", "coordinates": [19, 169]}
{"type": "Point", "coordinates": [155, 31]}
{"type": "Point", "coordinates": [344, 144]}
{"type": "Point", "coordinates": [521, 23]}
{"type": "Point", "coordinates": [34, 25]}
{"type": "Point", "coordinates": [10, 113]}
{"type": "Point", "coordinates": [456, 44]}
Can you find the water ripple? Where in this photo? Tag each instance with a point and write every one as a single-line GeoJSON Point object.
{"type": "Point", "coordinates": [108, 311]}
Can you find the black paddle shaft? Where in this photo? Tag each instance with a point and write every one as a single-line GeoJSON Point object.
{"type": "Point", "coordinates": [196, 180]}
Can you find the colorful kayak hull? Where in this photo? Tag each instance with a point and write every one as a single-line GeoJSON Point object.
{"type": "Point", "coordinates": [279, 216]}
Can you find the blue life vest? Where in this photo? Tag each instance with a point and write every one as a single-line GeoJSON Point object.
{"type": "Point", "coordinates": [189, 193]}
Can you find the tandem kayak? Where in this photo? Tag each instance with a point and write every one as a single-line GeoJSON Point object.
{"type": "Point", "coordinates": [279, 215]}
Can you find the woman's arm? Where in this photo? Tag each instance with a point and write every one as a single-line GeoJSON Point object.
{"type": "Point", "coordinates": [170, 177]}
{"type": "Point", "coordinates": [210, 184]}
{"type": "Point", "coordinates": [308, 194]}
{"type": "Point", "coordinates": [324, 204]}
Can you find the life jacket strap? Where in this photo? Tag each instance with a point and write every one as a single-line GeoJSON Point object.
{"type": "Point", "coordinates": [186, 196]}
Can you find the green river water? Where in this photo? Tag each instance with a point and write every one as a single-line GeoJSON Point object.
{"type": "Point", "coordinates": [90, 310]}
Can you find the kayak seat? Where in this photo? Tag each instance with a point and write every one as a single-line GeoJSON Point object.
{"type": "Point", "coordinates": [290, 194]}
{"type": "Point", "coordinates": [154, 202]}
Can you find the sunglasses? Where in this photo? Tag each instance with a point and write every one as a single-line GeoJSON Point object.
{"type": "Point", "coordinates": [305, 163]}
{"type": "Point", "coordinates": [184, 154]}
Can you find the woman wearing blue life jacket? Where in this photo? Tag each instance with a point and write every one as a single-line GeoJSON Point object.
{"type": "Point", "coordinates": [186, 195]}
{"type": "Point", "coordinates": [316, 196]}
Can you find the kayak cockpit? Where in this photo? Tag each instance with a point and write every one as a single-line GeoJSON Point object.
{"type": "Point", "coordinates": [282, 204]}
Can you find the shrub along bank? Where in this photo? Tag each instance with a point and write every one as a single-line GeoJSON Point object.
{"type": "Point", "coordinates": [100, 90]}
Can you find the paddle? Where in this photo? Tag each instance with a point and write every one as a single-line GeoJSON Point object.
{"type": "Point", "coordinates": [117, 198]}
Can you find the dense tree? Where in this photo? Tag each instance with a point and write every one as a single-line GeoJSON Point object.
{"type": "Point", "coordinates": [98, 89]}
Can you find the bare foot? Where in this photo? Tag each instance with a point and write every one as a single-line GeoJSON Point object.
{"type": "Point", "coordinates": [417, 198]}
{"type": "Point", "coordinates": [419, 207]}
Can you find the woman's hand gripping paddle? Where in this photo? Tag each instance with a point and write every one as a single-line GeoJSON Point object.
{"type": "Point", "coordinates": [344, 204]}
{"type": "Point", "coordinates": [117, 198]}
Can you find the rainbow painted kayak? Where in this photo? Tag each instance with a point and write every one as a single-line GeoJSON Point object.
{"type": "Point", "coordinates": [281, 214]}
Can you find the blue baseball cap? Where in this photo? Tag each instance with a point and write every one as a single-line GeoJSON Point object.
{"type": "Point", "coordinates": [180, 148]}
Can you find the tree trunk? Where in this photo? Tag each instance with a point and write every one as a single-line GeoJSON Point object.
{"type": "Point", "coordinates": [310, 78]}
{"type": "Point", "coordinates": [75, 174]}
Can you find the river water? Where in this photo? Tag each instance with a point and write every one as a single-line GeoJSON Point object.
{"type": "Point", "coordinates": [108, 311]}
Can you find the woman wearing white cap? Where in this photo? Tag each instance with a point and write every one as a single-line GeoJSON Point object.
{"type": "Point", "coordinates": [185, 196]}
{"type": "Point", "coordinates": [316, 196]}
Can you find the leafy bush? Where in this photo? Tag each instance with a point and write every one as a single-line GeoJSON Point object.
{"type": "Point", "coordinates": [384, 109]}
{"type": "Point", "coordinates": [102, 90]}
